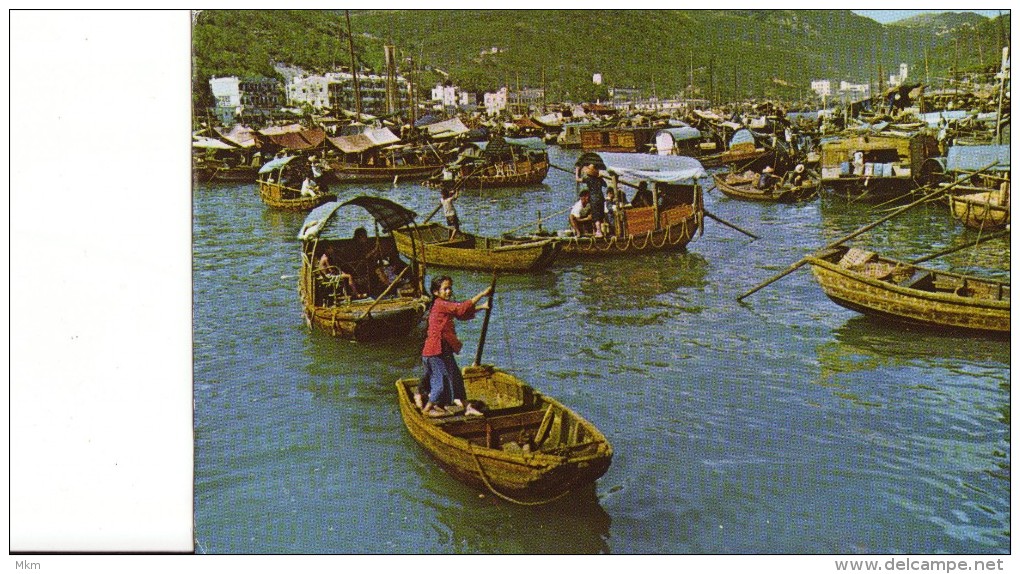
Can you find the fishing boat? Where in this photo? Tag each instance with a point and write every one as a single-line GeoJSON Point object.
{"type": "Point", "coordinates": [365, 291]}
{"type": "Point", "coordinates": [376, 155]}
{"type": "Point", "coordinates": [665, 212]}
{"type": "Point", "coordinates": [876, 165]}
{"type": "Point", "coordinates": [218, 161]}
{"type": "Point", "coordinates": [985, 210]}
{"type": "Point", "coordinates": [741, 187]}
{"type": "Point", "coordinates": [526, 448]}
{"type": "Point", "coordinates": [625, 139]}
{"type": "Point", "coordinates": [878, 286]}
{"type": "Point", "coordinates": [499, 162]}
{"type": "Point", "coordinates": [430, 244]}
{"type": "Point", "coordinates": [281, 190]}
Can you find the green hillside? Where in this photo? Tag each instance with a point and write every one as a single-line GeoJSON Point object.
{"type": "Point", "coordinates": [725, 54]}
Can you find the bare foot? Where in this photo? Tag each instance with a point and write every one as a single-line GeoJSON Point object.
{"type": "Point", "coordinates": [471, 411]}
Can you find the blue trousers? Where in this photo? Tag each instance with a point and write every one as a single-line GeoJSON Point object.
{"type": "Point", "coordinates": [442, 380]}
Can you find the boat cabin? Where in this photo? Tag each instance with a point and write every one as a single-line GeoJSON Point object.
{"type": "Point", "coordinates": [341, 262]}
{"type": "Point", "coordinates": [618, 139]}
{"type": "Point", "coordinates": [878, 156]}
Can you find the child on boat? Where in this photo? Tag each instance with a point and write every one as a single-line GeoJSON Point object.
{"type": "Point", "coordinates": [442, 375]}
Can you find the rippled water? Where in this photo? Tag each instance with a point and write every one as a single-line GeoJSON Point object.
{"type": "Point", "coordinates": [785, 424]}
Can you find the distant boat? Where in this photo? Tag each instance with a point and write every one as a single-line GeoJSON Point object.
{"type": "Point", "coordinates": [527, 448]}
{"type": "Point", "coordinates": [392, 309]}
{"type": "Point", "coordinates": [499, 162]}
{"type": "Point", "coordinates": [985, 210]}
{"type": "Point", "coordinates": [430, 244]}
{"type": "Point", "coordinates": [881, 287]}
{"type": "Point", "coordinates": [783, 192]}
{"type": "Point", "coordinates": [376, 155]}
{"type": "Point", "coordinates": [664, 214]}
{"type": "Point", "coordinates": [277, 193]}
{"type": "Point", "coordinates": [887, 167]}
{"type": "Point", "coordinates": [618, 139]}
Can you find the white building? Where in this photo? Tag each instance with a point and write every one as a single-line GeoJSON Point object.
{"type": "Point", "coordinates": [854, 90]}
{"type": "Point", "coordinates": [495, 103]}
{"type": "Point", "coordinates": [445, 94]}
{"type": "Point", "coordinates": [226, 91]}
{"type": "Point", "coordinates": [821, 87]}
{"type": "Point", "coordinates": [900, 78]}
{"type": "Point", "coordinates": [311, 90]}
{"type": "Point", "coordinates": [596, 79]}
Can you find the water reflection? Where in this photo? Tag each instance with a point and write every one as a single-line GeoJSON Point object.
{"type": "Point", "coordinates": [480, 523]}
{"type": "Point", "coordinates": [868, 344]}
{"type": "Point", "coordinates": [631, 282]}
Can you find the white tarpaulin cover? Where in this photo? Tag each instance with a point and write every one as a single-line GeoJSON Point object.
{"type": "Point", "coordinates": [672, 169]}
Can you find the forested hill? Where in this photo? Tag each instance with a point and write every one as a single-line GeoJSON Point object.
{"type": "Point", "coordinates": [728, 53]}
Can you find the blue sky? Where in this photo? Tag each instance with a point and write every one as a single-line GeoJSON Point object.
{"type": "Point", "coordinates": [886, 16]}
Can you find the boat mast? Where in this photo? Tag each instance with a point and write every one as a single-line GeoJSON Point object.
{"type": "Point", "coordinates": [354, 66]}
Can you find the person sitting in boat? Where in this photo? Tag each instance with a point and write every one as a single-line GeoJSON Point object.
{"type": "Point", "coordinates": [768, 178]}
{"type": "Point", "coordinates": [643, 196]}
{"type": "Point", "coordinates": [332, 275]}
{"type": "Point", "coordinates": [442, 382]}
{"type": "Point", "coordinates": [580, 215]}
{"type": "Point", "coordinates": [797, 175]}
{"type": "Point", "coordinates": [387, 274]}
{"type": "Point", "coordinates": [309, 188]}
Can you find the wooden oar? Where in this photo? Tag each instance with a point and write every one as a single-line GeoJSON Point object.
{"type": "Point", "coordinates": [384, 293]}
{"type": "Point", "coordinates": [485, 322]}
{"type": "Point", "coordinates": [842, 240]}
{"type": "Point", "coordinates": [539, 221]}
{"type": "Point", "coordinates": [728, 224]}
{"type": "Point", "coordinates": [974, 243]}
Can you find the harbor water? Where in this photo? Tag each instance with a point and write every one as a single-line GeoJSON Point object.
{"type": "Point", "coordinates": [783, 424]}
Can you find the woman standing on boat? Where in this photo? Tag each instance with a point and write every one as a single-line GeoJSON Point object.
{"type": "Point", "coordinates": [442, 375]}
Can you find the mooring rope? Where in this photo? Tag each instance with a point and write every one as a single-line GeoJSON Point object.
{"type": "Point", "coordinates": [488, 485]}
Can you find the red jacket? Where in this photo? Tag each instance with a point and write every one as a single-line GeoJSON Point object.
{"type": "Point", "coordinates": [441, 326]}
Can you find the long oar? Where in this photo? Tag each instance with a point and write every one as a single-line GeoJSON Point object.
{"type": "Point", "coordinates": [384, 293]}
{"type": "Point", "coordinates": [485, 322]}
{"type": "Point", "coordinates": [539, 221]}
{"type": "Point", "coordinates": [728, 224]}
{"type": "Point", "coordinates": [842, 240]}
{"type": "Point", "coordinates": [974, 243]}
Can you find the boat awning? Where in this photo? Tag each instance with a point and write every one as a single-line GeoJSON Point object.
{"type": "Point", "coordinates": [296, 140]}
{"type": "Point", "coordinates": [671, 169]}
{"type": "Point", "coordinates": [447, 128]}
{"type": "Point", "coordinates": [239, 135]}
{"type": "Point", "coordinates": [275, 164]}
{"type": "Point", "coordinates": [210, 143]}
{"type": "Point", "coordinates": [744, 136]}
{"type": "Point", "coordinates": [975, 157]}
{"type": "Point", "coordinates": [680, 134]}
{"type": "Point", "coordinates": [364, 141]}
{"type": "Point", "coordinates": [530, 143]}
{"type": "Point", "coordinates": [321, 223]}
{"type": "Point", "coordinates": [934, 118]}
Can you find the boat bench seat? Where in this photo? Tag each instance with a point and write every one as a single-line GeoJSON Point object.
{"type": "Point", "coordinates": [924, 282]}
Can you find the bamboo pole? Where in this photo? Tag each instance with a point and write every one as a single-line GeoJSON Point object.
{"type": "Point", "coordinates": [974, 243]}
{"type": "Point", "coordinates": [384, 293]}
{"type": "Point", "coordinates": [485, 322]}
{"type": "Point", "coordinates": [842, 240]}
